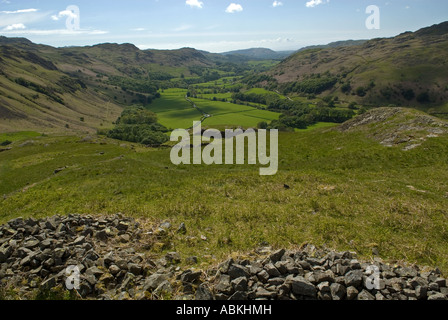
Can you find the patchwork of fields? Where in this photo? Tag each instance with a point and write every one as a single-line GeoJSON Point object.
{"type": "Point", "coordinates": [174, 111]}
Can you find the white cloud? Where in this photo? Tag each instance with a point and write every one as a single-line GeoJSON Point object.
{"type": "Point", "coordinates": [194, 3]}
{"type": "Point", "coordinates": [233, 7]}
{"type": "Point", "coordinates": [19, 11]}
{"type": "Point", "coordinates": [15, 26]}
{"type": "Point", "coordinates": [65, 13]}
{"type": "Point", "coordinates": [277, 4]}
{"type": "Point", "coordinates": [54, 32]}
{"type": "Point", "coordinates": [313, 3]}
{"type": "Point", "coordinates": [24, 16]}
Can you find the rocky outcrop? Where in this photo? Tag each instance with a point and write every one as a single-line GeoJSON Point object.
{"type": "Point", "coordinates": [406, 128]}
{"type": "Point", "coordinates": [110, 258]}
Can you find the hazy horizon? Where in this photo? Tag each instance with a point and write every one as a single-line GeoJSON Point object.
{"type": "Point", "coordinates": [214, 26]}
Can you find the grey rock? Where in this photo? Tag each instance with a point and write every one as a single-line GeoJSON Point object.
{"type": "Point", "coordinates": [380, 297]}
{"type": "Point", "coordinates": [438, 296]}
{"type": "Point", "coordinates": [49, 283]}
{"type": "Point", "coordinates": [204, 293]}
{"type": "Point", "coordinates": [406, 272]}
{"type": "Point", "coordinates": [153, 281]}
{"type": "Point", "coordinates": [191, 276]}
{"type": "Point", "coordinates": [125, 238]}
{"type": "Point", "coordinates": [31, 244]}
{"type": "Point", "coordinates": [263, 276]}
{"type": "Point", "coordinates": [410, 293]}
{"type": "Point", "coordinates": [173, 257]}
{"type": "Point", "coordinates": [114, 270]}
{"type": "Point", "coordinates": [255, 268]}
{"type": "Point", "coordinates": [224, 267]}
{"type": "Point", "coordinates": [324, 291]}
{"type": "Point", "coordinates": [352, 293]}
{"type": "Point", "coordinates": [277, 255]}
{"type": "Point", "coordinates": [109, 258]}
{"type": "Point", "coordinates": [239, 296]}
{"type": "Point", "coordinates": [354, 264]}
{"type": "Point", "coordinates": [79, 241]}
{"type": "Point", "coordinates": [182, 229]}
{"type": "Point", "coordinates": [263, 293]}
{"type": "Point", "coordinates": [302, 287]}
{"type": "Point", "coordinates": [418, 281]}
{"type": "Point", "coordinates": [165, 226]}
{"type": "Point", "coordinates": [354, 278]}
{"type": "Point", "coordinates": [365, 295]}
{"type": "Point", "coordinates": [240, 284]}
{"type": "Point", "coordinates": [276, 281]}
{"type": "Point", "coordinates": [324, 276]}
{"type": "Point", "coordinates": [164, 288]}
{"type": "Point", "coordinates": [338, 291]}
{"type": "Point", "coordinates": [272, 270]}
{"type": "Point", "coordinates": [441, 282]}
{"type": "Point", "coordinates": [102, 235]}
{"type": "Point", "coordinates": [224, 285]}
{"type": "Point", "coordinates": [237, 271]}
{"type": "Point", "coordinates": [97, 273]}
{"type": "Point", "coordinates": [123, 226]}
{"type": "Point", "coordinates": [421, 292]}
{"type": "Point", "coordinates": [5, 253]}
{"type": "Point", "coordinates": [135, 269]}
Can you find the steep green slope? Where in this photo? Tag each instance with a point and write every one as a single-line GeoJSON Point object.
{"type": "Point", "coordinates": [34, 94]}
{"type": "Point", "coordinates": [81, 88]}
{"type": "Point", "coordinates": [407, 70]}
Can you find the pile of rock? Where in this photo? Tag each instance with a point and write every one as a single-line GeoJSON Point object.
{"type": "Point", "coordinates": [114, 259]}
{"type": "Point", "coordinates": [36, 255]}
{"type": "Point", "coordinates": [312, 274]}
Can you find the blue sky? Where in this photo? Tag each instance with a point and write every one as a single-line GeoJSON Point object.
{"type": "Point", "coordinates": [212, 25]}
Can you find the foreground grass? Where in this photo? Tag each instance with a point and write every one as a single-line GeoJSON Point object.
{"type": "Point", "coordinates": [346, 192]}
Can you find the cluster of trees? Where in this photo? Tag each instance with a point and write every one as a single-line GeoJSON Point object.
{"type": "Point", "coordinates": [256, 79]}
{"type": "Point", "coordinates": [137, 124]}
{"type": "Point", "coordinates": [298, 115]}
{"type": "Point", "coordinates": [315, 85]}
{"type": "Point", "coordinates": [261, 98]}
{"type": "Point", "coordinates": [136, 85]}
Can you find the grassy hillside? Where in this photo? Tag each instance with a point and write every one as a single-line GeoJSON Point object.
{"type": "Point", "coordinates": [346, 191]}
{"type": "Point", "coordinates": [407, 70]}
{"type": "Point", "coordinates": [82, 89]}
{"type": "Point", "coordinates": [34, 94]}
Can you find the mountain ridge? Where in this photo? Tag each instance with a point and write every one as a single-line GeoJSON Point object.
{"type": "Point", "coordinates": [407, 70]}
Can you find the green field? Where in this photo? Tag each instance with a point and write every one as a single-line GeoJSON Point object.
{"type": "Point", "coordinates": [229, 114]}
{"type": "Point", "coordinates": [346, 192]}
{"type": "Point", "coordinates": [175, 112]}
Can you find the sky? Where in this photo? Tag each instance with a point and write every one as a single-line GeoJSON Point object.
{"type": "Point", "coordinates": [213, 25]}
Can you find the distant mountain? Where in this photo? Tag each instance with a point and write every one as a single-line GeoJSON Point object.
{"type": "Point", "coordinates": [259, 54]}
{"type": "Point", "coordinates": [407, 70]}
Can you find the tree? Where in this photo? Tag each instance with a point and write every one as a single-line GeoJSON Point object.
{"type": "Point", "coordinates": [361, 91]}
{"type": "Point", "coordinates": [262, 125]}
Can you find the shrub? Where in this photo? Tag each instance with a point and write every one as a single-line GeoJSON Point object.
{"type": "Point", "coordinates": [361, 91]}
{"type": "Point", "coordinates": [423, 97]}
{"type": "Point", "coordinates": [5, 143]}
{"type": "Point", "coordinates": [408, 94]}
{"type": "Point", "coordinates": [262, 125]}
